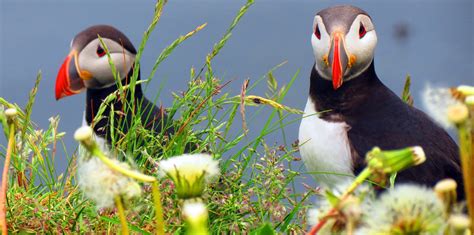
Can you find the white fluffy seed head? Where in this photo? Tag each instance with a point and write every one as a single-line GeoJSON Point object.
{"type": "Point", "coordinates": [401, 208]}
{"type": "Point", "coordinates": [437, 102]}
{"type": "Point", "coordinates": [190, 166]}
{"type": "Point", "coordinates": [102, 184]}
{"type": "Point", "coordinates": [83, 133]}
{"type": "Point", "coordinates": [190, 173]}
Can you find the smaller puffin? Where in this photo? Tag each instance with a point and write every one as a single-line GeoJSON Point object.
{"type": "Point", "coordinates": [87, 68]}
{"type": "Point", "coordinates": [349, 110]}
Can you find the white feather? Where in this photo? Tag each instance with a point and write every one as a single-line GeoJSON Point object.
{"type": "Point", "coordinates": [325, 148]}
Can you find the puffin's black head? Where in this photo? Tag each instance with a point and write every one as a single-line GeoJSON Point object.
{"type": "Point", "coordinates": [343, 41]}
{"type": "Point", "coordinates": [87, 65]}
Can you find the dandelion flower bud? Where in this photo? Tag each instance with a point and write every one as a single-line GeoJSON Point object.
{"type": "Point", "coordinates": [190, 173]}
{"type": "Point", "coordinates": [196, 216]}
{"type": "Point", "coordinates": [459, 224]}
{"type": "Point", "coordinates": [11, 113]}
{"type": "Point", "coordinates": [446, 191]}
{"type": "Point", "coordinates": [465, 90]}
{"type": "Point", "coordinates": [458, 113]}
{"type": "Point", "coordinates": [469, 100]}
{"type": "Point", "coordinates": [84, 135]}
{"type": "Point", "coordinates": [392, 161]}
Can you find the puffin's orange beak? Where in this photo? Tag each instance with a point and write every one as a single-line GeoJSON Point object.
{"type": "Point", "coordinates": [69, 80]}
{"type": "Point", "coordinates": [338, 59]}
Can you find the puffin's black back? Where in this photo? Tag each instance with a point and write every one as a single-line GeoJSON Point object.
{"type": "Point", "coordinates": [378, 117]}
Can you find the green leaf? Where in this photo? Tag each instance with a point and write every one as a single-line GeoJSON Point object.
{"type": "Point", "coordinates": [265, 229]}
{"type": "Point", "coordinates": [332, 198]}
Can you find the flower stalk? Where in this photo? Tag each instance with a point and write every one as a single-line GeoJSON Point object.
{"type": "Point", "coordinates": [10, 114]}
{"type": "Point", "coordinates": [155, 190]}
{"type": "Point", "coordinates": [84, 136]}
{"type": "Point", "coordinates": [121, 212]}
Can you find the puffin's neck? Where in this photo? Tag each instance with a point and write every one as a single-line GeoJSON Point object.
{"type": "Point", "coordinates": [350, 94]}
{"type": "Point", "coordinates": [95, 97]}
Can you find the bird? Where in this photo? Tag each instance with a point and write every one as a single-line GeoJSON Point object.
{"type": "Point", "coordinates": [349, 110]}
{"type": "Point", "coordinates": [86, 68]}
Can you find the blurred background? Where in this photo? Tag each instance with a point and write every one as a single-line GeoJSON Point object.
{"type": "Point", "coordinates": [431, 40]}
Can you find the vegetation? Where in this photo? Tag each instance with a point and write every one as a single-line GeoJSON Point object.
{"type": "Point", "coordinates": [254, 193]}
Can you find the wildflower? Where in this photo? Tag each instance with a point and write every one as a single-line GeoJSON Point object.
{"type": "Point", "coordinates": [437, 102]}
{"type": "Point", "coordinates": [102, 184]}
{"type": "Point", "coordinates": [446, 192]}
{"type": "Point", "coordinates": [459, 224]}
{"type": "Point", "coordinates": [469, 100]}
{"type": "Point", "coordinates": [406, 209]}
{"type": "Point", "coordinates": [196, 216]}
{"type": "Point", "coordinates": [190, 173]}
{"type": "Point", "coordinates": [466, 90]}
{"type": "Point", "coordinates": [458, 113]}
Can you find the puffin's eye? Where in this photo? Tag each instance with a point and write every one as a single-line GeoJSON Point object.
{"type": "Point", "coordinates": [362, 31]}
{"type": "Point", "coordinates": [100, 51]}
{"type": "Point", "coordinates": [317, 33]}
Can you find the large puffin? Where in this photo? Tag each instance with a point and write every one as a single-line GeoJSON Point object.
{"type": "Point", "coordinates": [87, 68]}
{"type": "Point", "coordinates": [349, 110]}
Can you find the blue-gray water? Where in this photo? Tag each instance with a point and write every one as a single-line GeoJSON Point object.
{"type": "Point", "coordinates": [35, 35]}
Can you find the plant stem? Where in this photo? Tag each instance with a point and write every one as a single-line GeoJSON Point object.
{"type": "Point", "coordinates": [3, 191]}
{"type": "Point", "coordinates": [466, 153]}
{"type": "Point", "coordinates": [121, 211]}
{"type": "Point", "coordinates": [358, 181]}
{"type": "Point", "coordinates": [160, 224]}
{"type": "Point", "coordinates": [132, 174]}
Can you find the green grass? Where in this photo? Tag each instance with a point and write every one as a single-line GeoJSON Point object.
{"type": "Point", "coordinates": [257, 183]}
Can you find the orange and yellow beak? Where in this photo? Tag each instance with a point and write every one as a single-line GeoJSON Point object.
{"type": "Point", "coordinates": [70, 78]}
{"type": "Point", "coordinates": [338, 59]}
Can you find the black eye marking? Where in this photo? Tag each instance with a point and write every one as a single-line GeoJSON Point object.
{"type": "Point", "coordinates": [362, 30]}
{"type": "Point", "coordinates": [100, 51]}
{"type": "Point", "coordinates": [317, 32]}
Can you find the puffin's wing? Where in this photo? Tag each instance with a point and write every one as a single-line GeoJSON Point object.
{"type": "Point", "coordinates": [393, 125]}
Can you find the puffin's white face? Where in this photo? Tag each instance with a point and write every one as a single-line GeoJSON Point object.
{"type": "Point", "coordinates": [92, 59]}
{"type": "Point", "coordinates": [345, 51]}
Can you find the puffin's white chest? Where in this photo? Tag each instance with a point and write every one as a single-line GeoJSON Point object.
{"type": "Point", "coordinates": [324, 148]}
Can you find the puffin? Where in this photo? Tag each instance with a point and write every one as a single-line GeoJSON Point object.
{"type": "Point", "coordinates": [349, 110]}
{"type": "Point", "coordinates": [86, 68]}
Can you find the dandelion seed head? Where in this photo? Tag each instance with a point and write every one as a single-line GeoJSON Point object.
{"type": "Point", "coordinates": [190, 166]}
{"type": "Point", "coordinates": [190, 173]}
{"type": "Point", "coordinates": [406, 209]}
{"type": "Point", "coordinates": [102, 184]}
{"type": "Point", "coordinates": [437, 101]}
